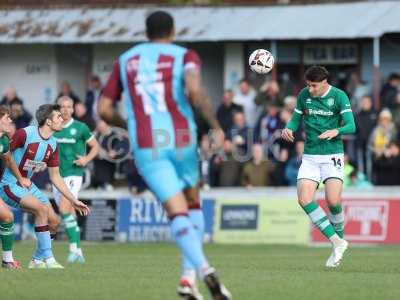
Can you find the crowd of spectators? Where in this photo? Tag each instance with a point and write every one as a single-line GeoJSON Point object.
{"type": "Point", "coordinates": [253, 154]}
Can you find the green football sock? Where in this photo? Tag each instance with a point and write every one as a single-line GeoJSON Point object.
{"type": "Point", "coordinates": [7, 235]}
{"type": "Point", "coordinates": [336, 217]}
{"type": "Point", "coordinates": [78, 237]}
{"type": "Point", "coordinates": [319, 218]}
{"type": "Point", "coordinates": [70, 227]}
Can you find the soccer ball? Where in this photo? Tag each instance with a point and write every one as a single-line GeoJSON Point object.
{"type": "Point", "coordinates": [261, 61]}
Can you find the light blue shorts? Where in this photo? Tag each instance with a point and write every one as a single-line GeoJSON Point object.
{"type": "Point", "coordinates": [12, 193]}
{"type": "Point", "coordinates": [168, 171]}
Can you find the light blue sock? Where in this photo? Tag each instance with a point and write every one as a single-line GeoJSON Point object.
{"type": "Point", "coordinates": [197, 218]}
{"type": "Point", "coordinates": [43, 248]}
{"type": "Point", "coordinates": [188, 241]}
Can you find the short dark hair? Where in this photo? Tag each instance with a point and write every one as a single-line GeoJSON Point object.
{"type": "Point", "coordinates": [4, 111]}
{"type": "Point", "coordinates": [316, 74]}
{"type": "Point", "coordinates": [45, 112]}
{"type": "Point", "coordinates": [393, 76]}
{"type": "Point", "coordinates": [16, 101]}
{"type": "Point", "coordinates": [159, 24]}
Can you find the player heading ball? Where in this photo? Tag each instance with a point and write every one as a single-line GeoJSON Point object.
{"type": "Point", "coordinates": [327, 115]}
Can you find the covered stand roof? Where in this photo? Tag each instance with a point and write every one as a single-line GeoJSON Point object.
{"type": "Point", "coordinates": [324, 21]}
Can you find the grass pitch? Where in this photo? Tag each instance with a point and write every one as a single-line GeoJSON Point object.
{"type": "Point", "coordinates": [151, 271]}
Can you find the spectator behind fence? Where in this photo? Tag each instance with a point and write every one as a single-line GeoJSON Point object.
{"type": "Point", "coordinates": [10, 94]}
{"type": "Point", "coordinates": [240, 135]}
{"type": "Point", "coordinates": [245, 97]}
{"type": "Point", "coordinates": [80, 114]}
{"type": "Point", "coordinates": [267, 125]}
{"type": "Point", "coordinates": [352, 177]}
{"type": "Point", "coordinates": [365, 121]}
{"type": "Point", "coordinates": [389, 91]}
{"type": "Point", "coordinates": [284, 117]}
{"type": "Point", "coordinates": [104, 167]}
{"type": "Point", "coordinates": [226, 110]}
{"type": "Point", "coordinates": [229, 168]}
{"type": "Point", "coordinates": [387, 166]}
{"type": "Point", "coordinates": [293, 164]}
{"type": "Point", "coordinates": [66, 90]}
{"type": "Point", "coordinates": [356, 89]}
{"type": "Point", "coordinates": [257, 172]}
{"type": "Point", "coordinates": [383, 133]}
{"type": "Point", "coordinates": [396, 111]}
{"type": "Point", "coordinates": [136, 183]}
{"type": "Point", "coordinates": [93, 96]}
{"type": "Point", "coordinates": [289, 103]}
{"type": "Point", "coordinates": [359, 180]}
{"type": "Point", "coordinates": [269, 93]}
{"type": "Point", "coordinates": [204, 161]}
{"type": "Point", "coordinates": [19, 115]}
{"type": "Point", "coordinates": [278, 176]}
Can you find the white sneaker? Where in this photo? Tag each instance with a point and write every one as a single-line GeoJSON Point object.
{"type": "Point", "coordinates": [53, 264]}
{"type": "Point", "coordinates": [37, 264]}
{"type": "Point", "coordinates": [188, 290]}
{"type": "Point", "coordinates": [337, 254]}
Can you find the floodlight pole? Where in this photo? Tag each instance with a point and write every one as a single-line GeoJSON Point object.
{"type": "Point", "coordinates": [376, 72]}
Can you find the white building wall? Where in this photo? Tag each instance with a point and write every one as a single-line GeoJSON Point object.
{"type": "Point", "coordinates": [73, 65]}
{"type": "Point", "coordinates": [104, 56]}
{"type": "Point", "coordinates": [32, 70]}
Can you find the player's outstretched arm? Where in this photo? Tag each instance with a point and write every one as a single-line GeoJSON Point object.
{"type": "Point", "coordinates": [10, 164]}
{"type": "Point", "coordinates": [57, 180]}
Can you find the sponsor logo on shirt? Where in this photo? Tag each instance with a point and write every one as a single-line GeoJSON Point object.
{"type": "Point", "coordinates": [66, 140]}
{"type": "Point", "coordinates": [319, 112]}
{"type": "Point", "coordinates": [34, 166]}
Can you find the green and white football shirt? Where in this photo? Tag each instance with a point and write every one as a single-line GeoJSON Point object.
{"type": "Point", "coordinates": [72, 141]}
{"type": "Point", "coordinates": [321, 114]}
